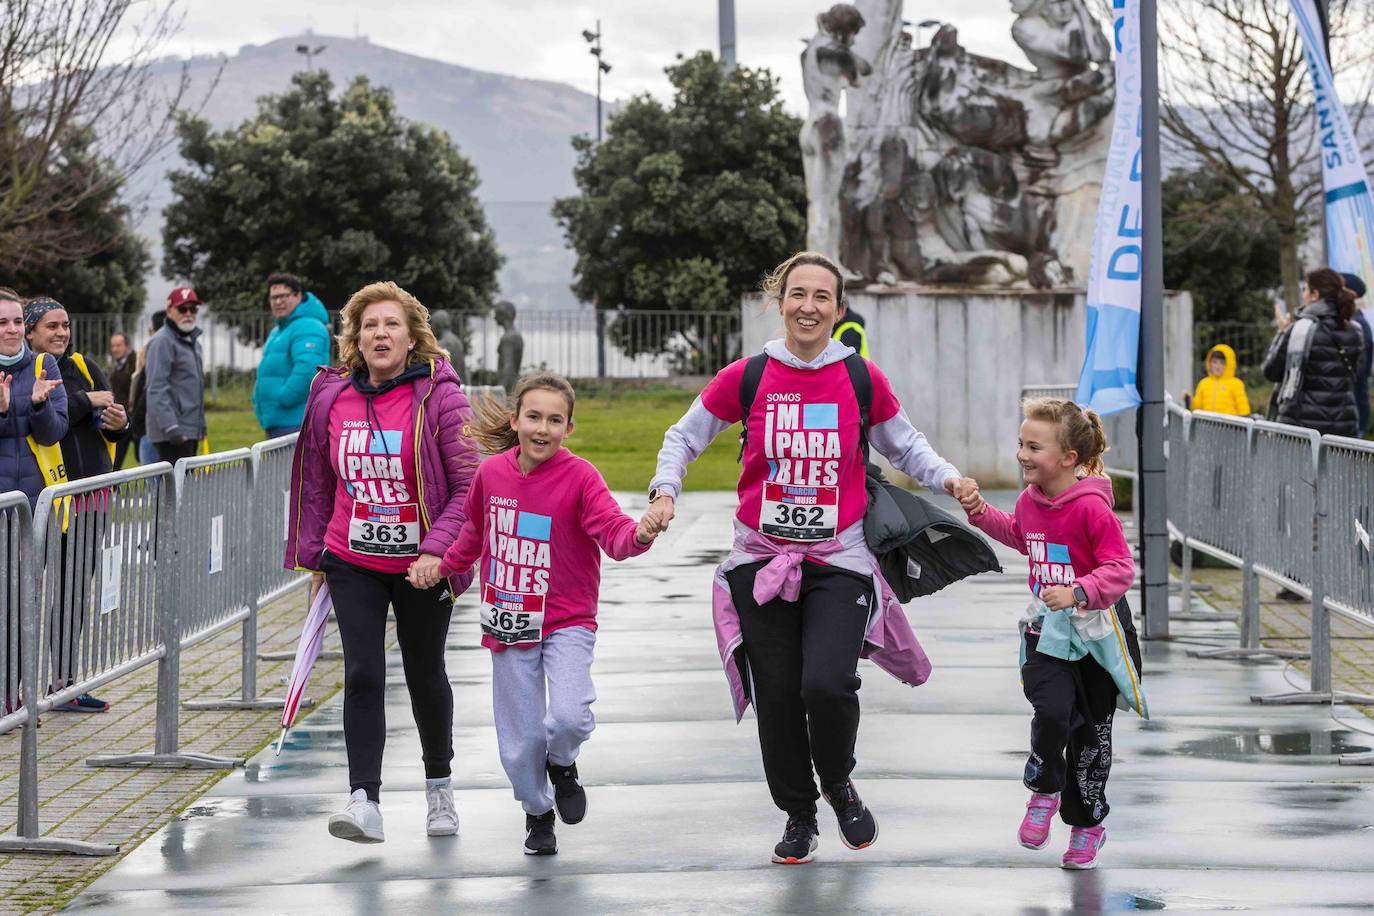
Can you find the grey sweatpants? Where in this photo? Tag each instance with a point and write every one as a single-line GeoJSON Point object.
{"type": "Point", "coordinates": [531, 729]}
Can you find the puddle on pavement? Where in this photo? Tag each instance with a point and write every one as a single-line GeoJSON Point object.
{"type": "Point", "coordinates": [1258, 743]}
{"type": "Point", "coordinates": [198, 811]}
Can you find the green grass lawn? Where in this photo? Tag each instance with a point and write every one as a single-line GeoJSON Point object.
{"type": "Point", "coordinates": [618, 431]}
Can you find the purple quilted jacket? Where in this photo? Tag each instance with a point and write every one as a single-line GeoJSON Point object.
{"type": "Point", "coordinates": [445, 456]}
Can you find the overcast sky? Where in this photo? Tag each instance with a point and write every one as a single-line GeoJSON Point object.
{"type": "Point", "coordinates": [542, 38]}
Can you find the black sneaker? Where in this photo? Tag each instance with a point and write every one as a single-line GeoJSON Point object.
{"type": "Point", "coordinates": [799, 840]}
{"type": "Point", "coordinates": [858, 828]}
{"type": "Point", "coordinates": [83, 703]}
{"type": "Point", "coordinates": [539, 838]}
{"type": "Point", "coordinates": [568, 795]}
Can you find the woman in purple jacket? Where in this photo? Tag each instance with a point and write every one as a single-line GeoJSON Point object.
{"type": "Point", "coordinates": [381, 472]}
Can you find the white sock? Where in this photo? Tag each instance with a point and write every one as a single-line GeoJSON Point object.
{"type": "Point", "coordinates": [441, 781]}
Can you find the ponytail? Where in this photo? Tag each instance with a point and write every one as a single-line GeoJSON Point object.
{"type": "Point", "coordinates": [491, 427]}
{"type": "Point", "coordinates": [1080, 430]}
{"type": "Point", "coordinates": [1331, 286]}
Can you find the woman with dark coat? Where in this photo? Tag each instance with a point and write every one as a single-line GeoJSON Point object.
{"type": "Point", "coordinates": [1315, 358]}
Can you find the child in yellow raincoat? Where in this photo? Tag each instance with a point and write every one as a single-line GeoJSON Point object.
{"type": "Point", "coordinates": [1220, 391]}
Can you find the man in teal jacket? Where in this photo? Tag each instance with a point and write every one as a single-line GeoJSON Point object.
{"type": "Point", "coordinates": [297, 345]}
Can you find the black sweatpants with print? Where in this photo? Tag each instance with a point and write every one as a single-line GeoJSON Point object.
{"type": "Point", "coordinates": [803, 659]}
{"type": "Point", "coordinates": [361, 597]}
{"type": "Point", "coordinates": [1071, 732]}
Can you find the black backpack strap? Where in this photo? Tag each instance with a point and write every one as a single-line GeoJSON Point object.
{"type": "Point", "coordinates": [748, 390]}
{"type": "Point", "coordinates": [862, 380]}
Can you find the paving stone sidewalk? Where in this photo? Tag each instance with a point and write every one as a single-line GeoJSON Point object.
{"type": "Point", "coordinates": [125, 806]}
{"type": "Point", "coordinates": [1288, 625]}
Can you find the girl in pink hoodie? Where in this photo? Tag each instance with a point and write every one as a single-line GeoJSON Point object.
{"type": "Point", "coordinates": [538, 518]}
{"type": "Point", "coordinates": [1079, 561]}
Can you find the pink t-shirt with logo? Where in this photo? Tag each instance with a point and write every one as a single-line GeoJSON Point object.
{"type": "Point", "coordinates": [377, 522]}
{"type": "Point", "coordinates": [538, 538]}
{"type": "Point", "coordinates": [803, 471]}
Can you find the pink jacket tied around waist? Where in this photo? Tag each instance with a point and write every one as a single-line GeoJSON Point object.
{"type": "Point", "coordinates": [889, 641]}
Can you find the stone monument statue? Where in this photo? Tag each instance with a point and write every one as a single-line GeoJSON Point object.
{"type": "Point", "coordinates": [949, 167]}
{"type": "Point", "coordinates": [442, 323]}
{"type": "Point", "coordinates": [511, 350]}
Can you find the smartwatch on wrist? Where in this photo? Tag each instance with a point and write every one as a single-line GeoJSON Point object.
{"type": "Point", "coordinates": [1079, 596]}
{"type": "Point", "coordinates": [656, 492]}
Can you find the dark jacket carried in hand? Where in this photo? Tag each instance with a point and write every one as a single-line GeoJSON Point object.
{"type": "Point", "coordinates": [1325, 397]}
{"type": "Point", "coordinates": [920, 547]}
{"type": "Point", "coordinates": [85, 448]}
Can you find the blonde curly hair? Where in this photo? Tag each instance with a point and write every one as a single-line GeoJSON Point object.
{"type": "Point", "coordinates": [417, 324]}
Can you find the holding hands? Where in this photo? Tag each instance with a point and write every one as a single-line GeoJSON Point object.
{"type": "Point", "coordinates": [656, 519]}
{"type": "Point", "coordinates": [965, 489]}
{"type": "Point", "coordinates": [424, 572]}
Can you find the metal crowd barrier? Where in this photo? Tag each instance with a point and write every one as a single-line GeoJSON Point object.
{"type": "Point", "coordinates": [96, 610]}
{"type": "Point", "coordinates": [1227, 459]}
{"type": "Point", "coordinates": [272, 485]}
{"type": "Point", "coordinates": [114, 573]}
{"type": "Point", "coordinates": [111, 574]}
{"type": "Point", "coordinates": [16, 548]}
{"type": "Point", "coordinates": [217, 525]}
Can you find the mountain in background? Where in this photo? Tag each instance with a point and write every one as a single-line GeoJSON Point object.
{"type": "Point", "coordinates": [516, 131]}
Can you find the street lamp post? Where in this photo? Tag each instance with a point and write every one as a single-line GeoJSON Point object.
{"type": "Point", "coordinates": [726, 13]}
{"type": "Point", "coordinates": [310, 53]}
{"type": "Point", "coordinates": [594, 39]}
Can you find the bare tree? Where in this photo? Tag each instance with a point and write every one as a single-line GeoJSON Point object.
{"type": "Point", "coordinates": [1237, 98]}
{"type": "Point", "coordinates": [70, 71]}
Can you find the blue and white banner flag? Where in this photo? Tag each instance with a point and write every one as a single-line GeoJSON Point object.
{"type": "Point", "coordinates": [1107, 383]}
{"type": "Point", "coordinates": [1349, 209]}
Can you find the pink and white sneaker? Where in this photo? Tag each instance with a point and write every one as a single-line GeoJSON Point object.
{"type": "Point", "coordinates": [1084, 842]}
{"type": "Point", "coordinates": [1035, 826]}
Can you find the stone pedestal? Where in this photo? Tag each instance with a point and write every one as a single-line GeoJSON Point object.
{"type": "Point", "coordinates": [958, 359]}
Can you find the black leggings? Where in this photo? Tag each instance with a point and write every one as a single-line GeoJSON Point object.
{"type": "Point", "coordinates": [360, 598]}
{"type": "Point", "coordinates": [803, 656]}
{"type": "Point", "coordinates": [1071, 732]}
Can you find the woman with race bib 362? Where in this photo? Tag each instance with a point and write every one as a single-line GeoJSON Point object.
{"type": "Point", "coordinates": [800, 598]}
{"type": "Point", "coordinates": [380, 476]}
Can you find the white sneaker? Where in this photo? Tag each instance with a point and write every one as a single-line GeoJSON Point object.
{"type": "Point", "coordinates": [443, 814]}
{"type": "Point", "coordinates": [360, 821]}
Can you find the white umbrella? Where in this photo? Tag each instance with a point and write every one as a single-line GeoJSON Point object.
{"type": "Point", "coordinates": [312, 640]}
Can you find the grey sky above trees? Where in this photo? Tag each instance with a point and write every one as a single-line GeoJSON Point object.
{"type": "Point", "coordinates": [541, 39]}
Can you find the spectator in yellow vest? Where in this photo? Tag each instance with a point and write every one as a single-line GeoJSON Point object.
{"type": "Point", "coordinates": [851, 332]}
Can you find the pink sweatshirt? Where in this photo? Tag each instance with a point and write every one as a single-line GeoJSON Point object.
{"type": "Point", "coordinates": [376, 523]}
{"type": "Point", "coordinates": [539, 539]}
{"type": "Point", "coordinates": [1073, 539]}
